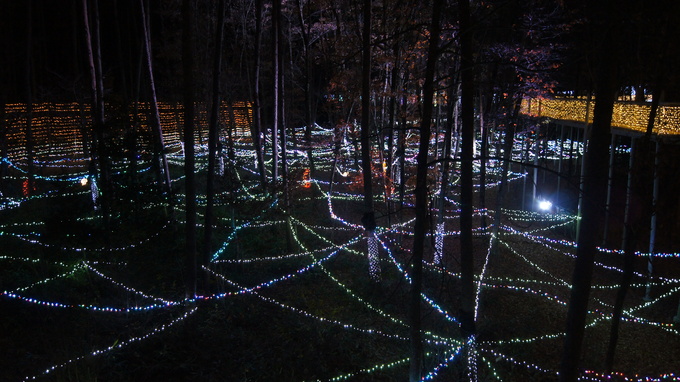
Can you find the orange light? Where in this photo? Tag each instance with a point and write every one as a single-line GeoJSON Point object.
{"type": "Point", "coordinates": [306, 179]}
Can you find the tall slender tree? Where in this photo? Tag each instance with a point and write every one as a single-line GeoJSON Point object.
{"type": "Point", "coordinates": [213, 132]}
{"type": "Point", "coordinates": [421, 207]}
{"type": "Point", "coordinates": [281, 114]}
{"type": "Point", "coordinates": [4, 165]}
{"type": "Point", "coordinates": [97, 107]}
{"type": "Point", "coordinates": [4, 62]}
{"type": "Point", "coordinates": [305, 29]}
{"type": "Point", "coordinates": [160, 158]}
{"type": "Point", "coordinates": [29, 100]}
{"type": "Point", "coordinates": [594, 186]}
{"type": "Point", "coordinates": [256, 128]}
{"type": "Point", "coordinates": [189, 155]}
{"type": "Point", "coordinates": [508, 141]}
{"type": "Point", "coordinates": [368, 219]}
{"type": "Point", "coordinates": [444, 180]}
{"type": "Point", "coordinates": [276, 51]}
{"type": "Point", "coordinates": [467, 117]}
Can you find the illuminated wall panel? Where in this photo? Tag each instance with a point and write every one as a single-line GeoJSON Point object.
{"type": "Point", "coordinates": [59, 130]}
{"type": "Point", "coordinates": [627, 115]}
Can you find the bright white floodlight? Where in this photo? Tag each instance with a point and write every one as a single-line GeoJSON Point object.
{"type": "Point", "coordinates": [545, 205]}
{"type": "Point", "coordinates": [83, 181]}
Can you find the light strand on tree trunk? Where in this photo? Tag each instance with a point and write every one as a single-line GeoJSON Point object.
{"type": "Point", "coordinates": [439, 244]}
{"type": "Point", "coordinates": [373, 257]}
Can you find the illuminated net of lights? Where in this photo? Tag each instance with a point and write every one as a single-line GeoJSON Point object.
{"type": "Point", "coordinates": [318, 246]}
{"type": "Point", "coordinates": [627, 115]}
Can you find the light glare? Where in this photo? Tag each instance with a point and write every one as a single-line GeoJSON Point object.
{"type": "Point", "coordinates": [544, 205]}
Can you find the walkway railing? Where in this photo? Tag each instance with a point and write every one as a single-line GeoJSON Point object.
{"type": "Point", "coordinates": [627, 115]}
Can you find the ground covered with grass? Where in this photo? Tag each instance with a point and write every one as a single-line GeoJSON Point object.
{"type": "Point", "coordinates": [290, 295]}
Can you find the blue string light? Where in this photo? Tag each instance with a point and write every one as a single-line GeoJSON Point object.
{"type": "Point", "coordinates": [341, 237]}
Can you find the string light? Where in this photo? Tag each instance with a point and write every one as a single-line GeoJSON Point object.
{"type": "Point", "coordinates": [117, 345]}
{"type": "Point", "coordinates": [320, 244]}
{"type": "Point", "coordinates": [471, 364]}
{"type": "Point", "coordinates": [628, 115]}
{"type": "Point", "coordinates": [127, 288]}
{"type": "Point", "coordinates": [478, 290]}
{"type": "Point", "coordinates": [435, 371]}
{"type": "Point", "coordinates": [373, 257]}
{"type": "Point", "coordinates": [252, 291]}
{"type": "Point", "coordinates": [439, 244]}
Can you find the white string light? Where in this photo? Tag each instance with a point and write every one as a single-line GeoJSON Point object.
{"type": "Point", "coordinates": [319, 244]}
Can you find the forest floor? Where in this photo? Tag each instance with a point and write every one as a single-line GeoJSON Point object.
{"type": "Point", "coordinates": [288, 295]}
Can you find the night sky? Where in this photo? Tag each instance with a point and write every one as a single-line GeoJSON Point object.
{"type": "Point", "coordinates": [57, 46]}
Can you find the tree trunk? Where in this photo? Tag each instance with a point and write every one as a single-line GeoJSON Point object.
{"type": "Point", "coordinates": [231, 130]}
{"type": "Point", "coordinates": [98, 119]}
{"type": "Point", "coordinates": [130, 134]}
{"type": "Point", "coordinates": [468, 130]}
{"type": "Point", "coordinates": [368, 218]}
{"type": "Point", "coordinates": [626, 278]}
{"type": "Point", "coordinates": [656, 99]}
{"type": "Point", "coordinates": [309, 114]}
{"type": "Point", "coordinates": [213, 134]}
{"type": "Point", "coordinates": [594, 185]}
{"type": "Point", "coordinates": [30, 181]}
{"type": "Point", "coordinates": [509, 140]}
{"type": "Point", "coordinates": [276, 21]}
{"type": "Point", "coordinates": [282, 130]}
{"type": "Point", "coordinates": [98, 61]}
{"type": "Point", "coordinates": [256, 128]}
{"type": "Point", "coordinates": [444, 183]}
{"type": "Point", "coordinates": [164, 175]}
{"type": "Point", "coordinates": [133, 148]}
{"type": "Point", "coordinates": [401, 151]}
{"type": "Point", "coordinates": [4, 160]}
{"type": "Point", "coordinates": [396, 85]}
{"type": "Point", "coordinates": [189, 156]}
{"type": "Point", "coordinates": [421, 208]}
{"type": "Point", "coordinates": [484, 153]}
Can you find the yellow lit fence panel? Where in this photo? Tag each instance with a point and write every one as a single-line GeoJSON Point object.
{"type": "Point", "coordinates": [60, 130]}
{"type": "Point", "coordinates": [627, 115]}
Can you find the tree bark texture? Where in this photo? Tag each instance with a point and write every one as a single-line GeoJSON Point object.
{"type": "Point", "coordinates": [98, 116]}
{"type": "Point", "coordinates": [509, 141]}
{"type": "Point", "coordinates": [594, 191]}
{"type": "Point", "coordinates": [213, 134]}
{"type": "Point", "coordinates": [276, 51]}
{"type": "Point", "coordinates": [421, 206]}
{"type": "Point", "coordinates": [164, 175]}
{"type": "Point", "coordinates": [368, 219]}
{"type": "Point", "coordinates": [189, 155]}
{"type": "Point", "coordinates": [256, 128]}
{"type": "Point", "coordinates": [468, 139]}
